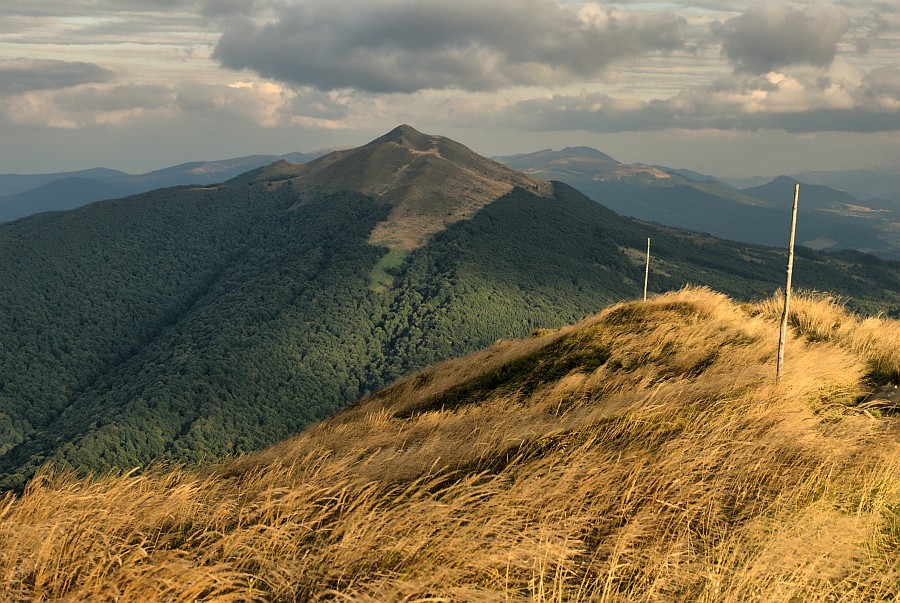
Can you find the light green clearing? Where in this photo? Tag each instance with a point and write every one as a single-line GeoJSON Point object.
{"type": "Point", "coordinates": [379, 279]}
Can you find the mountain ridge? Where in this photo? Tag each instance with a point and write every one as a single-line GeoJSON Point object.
{"type": "Point", "coordinates": [27, 194]}
{"type": "Point", "coordinates": [864, 184]}
{"type": "Point", "coordinates": [60, 195]}
{"type": "Point", "coordinates": [829, 220]}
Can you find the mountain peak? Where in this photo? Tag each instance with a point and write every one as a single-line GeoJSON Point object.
{"type": "Point", "coordinates": [408, 137]}
{"type": "Point", "coordinates": [428, 181]}
{"type": "Point", "coordinates": [784, 180]}
{"type": "Point", "coordinates": [588, 152]}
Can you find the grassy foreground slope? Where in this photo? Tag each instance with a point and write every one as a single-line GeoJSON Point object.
{"type": "Point", "coordinates": [644, 454]}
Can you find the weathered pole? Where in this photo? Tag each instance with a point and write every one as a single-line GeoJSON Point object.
{"type": "Point", "coordinates": [647, 269]}
{"type": "Point", "coordinates": [787, 289]}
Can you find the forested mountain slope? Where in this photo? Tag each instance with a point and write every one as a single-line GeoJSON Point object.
{"type": "Point", "coordinates": [191, 323]}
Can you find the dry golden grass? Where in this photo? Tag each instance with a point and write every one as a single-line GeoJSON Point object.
{"type": "Point", "coordinates": [820, 317]}
{"type": "Point", "coordinates": [645, 454]}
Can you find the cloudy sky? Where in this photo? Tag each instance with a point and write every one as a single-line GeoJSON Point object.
{"type": "Point", "coordinates": [726, 87]}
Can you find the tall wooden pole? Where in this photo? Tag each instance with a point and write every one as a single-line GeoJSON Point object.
{"type": "Point", "coordinates": [787, 289]}
{"type": "Point", "coordinates": [647, 269]}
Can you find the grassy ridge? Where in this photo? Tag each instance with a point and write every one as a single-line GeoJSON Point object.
{"type": "Point", "coordinates": [644, 454]}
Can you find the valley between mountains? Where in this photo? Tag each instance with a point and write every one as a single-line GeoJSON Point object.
{"type": "Point", "coordinates": [193, 323]}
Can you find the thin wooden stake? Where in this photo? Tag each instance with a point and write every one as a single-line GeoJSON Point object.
{"type": "Point", "coordinates": [787, 290]}
{"type": "Point", "coordinates": [647, 269]}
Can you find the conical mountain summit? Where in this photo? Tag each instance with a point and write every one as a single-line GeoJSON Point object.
{"type": "Point", "coordinates": [428, 181]}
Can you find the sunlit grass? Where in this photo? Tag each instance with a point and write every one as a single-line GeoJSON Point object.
{"type": "Point", "coordinates": [663, 464]}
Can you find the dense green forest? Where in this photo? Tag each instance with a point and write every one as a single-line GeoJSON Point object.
{"type": "Point", "coordinates": [188, 324]}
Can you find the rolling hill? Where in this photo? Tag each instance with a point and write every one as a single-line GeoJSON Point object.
{"type": "Point", "coordinates": [60, 195]}
{"type": "Point", "coordinates": [19, 183]}
{"type": "Point", "coordinates": [830, 220]}
{"type": "Point", "coordinates": [192, 323]}
{"type": "Point", "coordinates": [644, 454]}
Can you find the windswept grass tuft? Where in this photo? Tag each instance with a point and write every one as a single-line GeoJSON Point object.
{"type": "Point", "coordinates": [821, 317]}
{"type": "Point", "coordinates": [645, 454]}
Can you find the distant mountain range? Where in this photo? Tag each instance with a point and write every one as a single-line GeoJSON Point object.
{"type": "Point", "coordinates": [26, 194]}
{"type": "Point", "coordinates": [829, 219]}
{"type": "Point", "coordinates": [195, 322]}
{"type": "Point", "coordinates": [833, 214]}
{"type": "Point", "coordinates": [865, 184]}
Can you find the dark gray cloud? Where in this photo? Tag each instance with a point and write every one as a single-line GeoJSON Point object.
{"type": "Point", "coordinates": [26, 75]}
{"type": "Point", "coordinates": [229, 8]}
{"type": "Point", "coordinates": [770, 36]}
{"type": "Point", "coordinates": [405, 46]}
